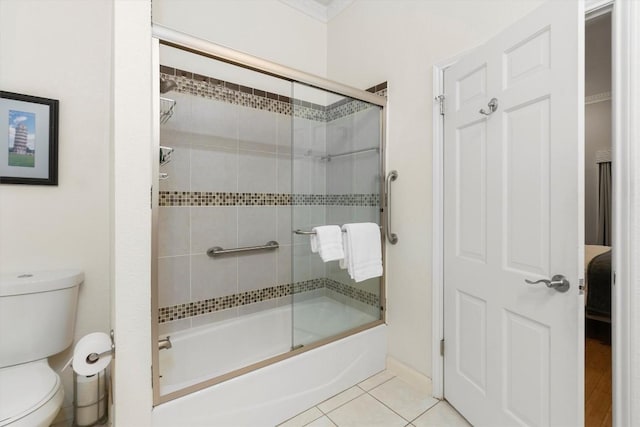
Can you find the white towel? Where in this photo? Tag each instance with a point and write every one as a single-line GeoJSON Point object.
{"type": "Point", "coordinates": [362, 251]}
{"type": "Point", "coordinates": [327, 241]}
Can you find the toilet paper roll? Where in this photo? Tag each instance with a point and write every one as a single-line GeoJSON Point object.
{"type": "Point", "coordinates": [89, 415]}
{"type": "Point", "coordinates": [97, 342]}
{"type": "Point", "coordinates": [89, 390]}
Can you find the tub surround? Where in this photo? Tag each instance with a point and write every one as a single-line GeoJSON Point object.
{"type": "Point", "coordinates": [247, 168]}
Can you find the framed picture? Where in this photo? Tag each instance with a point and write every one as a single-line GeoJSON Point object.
{"type": "Point", "coordinates": [28, 139]}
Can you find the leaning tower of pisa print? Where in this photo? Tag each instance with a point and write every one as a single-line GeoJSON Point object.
{"type": "Point", "coordinates": [20, 139]}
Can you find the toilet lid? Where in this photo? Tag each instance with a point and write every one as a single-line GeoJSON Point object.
{"type": "Point", "coordinates": [24, 388]}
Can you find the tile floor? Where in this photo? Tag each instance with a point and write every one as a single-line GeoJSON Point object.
{"type": "Point", "coordinates": [383, 400]}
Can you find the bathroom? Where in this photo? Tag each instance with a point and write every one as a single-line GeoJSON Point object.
{"type": "Point", "coordinates": [99, 56]}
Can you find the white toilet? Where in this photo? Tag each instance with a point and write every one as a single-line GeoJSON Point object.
{"type": "Point", "coordinates": [37, 319]}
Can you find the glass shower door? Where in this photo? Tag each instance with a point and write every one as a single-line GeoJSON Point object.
{"type": "Point", "coordinates": [222, 227]}
{"type": "Point", "coordinates": [336, 180]}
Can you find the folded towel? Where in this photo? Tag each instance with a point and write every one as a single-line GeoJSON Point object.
{"type": "Point", "coordinates": [327, 241]}
{"type": "Point", "coordinates": [362, 251]}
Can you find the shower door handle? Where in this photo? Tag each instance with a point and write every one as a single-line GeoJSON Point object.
{"type": "Point", "coordinates": [392, 237]}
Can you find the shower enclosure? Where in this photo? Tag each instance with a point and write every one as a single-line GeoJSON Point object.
{"type": "Point", "coordinates": [250, 162]}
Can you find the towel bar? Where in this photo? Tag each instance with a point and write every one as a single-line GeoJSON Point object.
{"type": "Point", "coordinates": [311, 232]}
{"type": "Point", "coordinates": [217, 250]}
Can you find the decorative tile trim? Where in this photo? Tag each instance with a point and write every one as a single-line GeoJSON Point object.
{"type": "Point", "coordinates": [377, 89]}
{"type": "Point", "coordinates": [196, 308]}
{"type": "Point", "coordinates": [352, 199]}
{"type": "Point", "coordinates": [210, 198]}
{"type": "Point", "coordinates": [352, 292]}
{"type": "Point", "coordinates": [233, 93]}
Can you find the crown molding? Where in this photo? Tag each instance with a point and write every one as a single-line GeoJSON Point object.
{"type": "Point", "coordinates": [336, 7]}
{"type": "Point", "coordinates": [598, 97]}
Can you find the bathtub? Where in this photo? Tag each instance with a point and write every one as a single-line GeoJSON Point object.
{"type": "Point", "coordinates": [269, 395]}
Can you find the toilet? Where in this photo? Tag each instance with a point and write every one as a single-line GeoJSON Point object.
{"type": "Point", "coordinates": [37, 319]}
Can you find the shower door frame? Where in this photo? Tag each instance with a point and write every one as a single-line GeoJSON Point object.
{"type": "Point", "coordinates": [178, 40]}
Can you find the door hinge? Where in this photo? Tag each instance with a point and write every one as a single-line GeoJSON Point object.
{"type": "Point", "coordinates": [581, 286]}
{"type": "Point", "coordinates": [442, 347]}
{"type": "Point", "coordinates": [440, 99]}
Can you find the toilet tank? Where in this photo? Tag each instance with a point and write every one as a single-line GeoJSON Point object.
{"type": "Point", "coordinates": [37, 314]}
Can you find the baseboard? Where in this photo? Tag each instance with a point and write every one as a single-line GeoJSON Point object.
{"type": "Point", "coordinates": [410, 375]}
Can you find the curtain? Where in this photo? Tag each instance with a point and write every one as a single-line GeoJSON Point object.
{"type": "Point", "coordinates": [604, 204]}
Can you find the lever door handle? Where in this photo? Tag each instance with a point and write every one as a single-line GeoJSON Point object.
{"type": "Point", "coordinates": [557, 282]}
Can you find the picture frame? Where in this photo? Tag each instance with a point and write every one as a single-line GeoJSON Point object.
{"type": "Point", "coordinates": [28, 139]}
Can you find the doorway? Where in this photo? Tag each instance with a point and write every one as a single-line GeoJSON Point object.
{"type": "Point", "coordinates": [599, 332]}
{"type": "Point", "coordinates": [598, 216]}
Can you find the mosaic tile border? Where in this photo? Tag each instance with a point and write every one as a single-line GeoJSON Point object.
{"type": "Point", "coordinates": [211, 198]}
{"type": "Point", "coordinates": [352, 292]}
{"type": "Point", "coordinates": [196, 308]}
{"type": "Point", "coordinates": [233, 93]}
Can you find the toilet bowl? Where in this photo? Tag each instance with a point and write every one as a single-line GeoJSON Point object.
{"type": "Point", "coordinates": [37, 319]}
{"type": "Point", "coordinates": [31, 395]}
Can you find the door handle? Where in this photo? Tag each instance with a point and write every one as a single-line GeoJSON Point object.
{"type": "Point", "coordinates": [557, 282]}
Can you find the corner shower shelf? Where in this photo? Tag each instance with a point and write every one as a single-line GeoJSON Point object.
{"type": "Point", "coordinates": [167, 107]}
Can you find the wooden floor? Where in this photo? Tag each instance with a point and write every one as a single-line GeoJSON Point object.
{"type": "Point", "coordinates": [597, 382]}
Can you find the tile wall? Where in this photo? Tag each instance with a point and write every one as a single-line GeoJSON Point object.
{"type": "Point", "coordinates": [230, 184]}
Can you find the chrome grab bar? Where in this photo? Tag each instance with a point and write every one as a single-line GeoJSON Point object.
{"type": "Point", "coordinates": [217, 250]}
{"type": "Point", "coordinates": [392, 237]}
{"type": "Point", "coordinates": [311, 232]}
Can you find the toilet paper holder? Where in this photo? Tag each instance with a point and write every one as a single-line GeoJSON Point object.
{"type": "Point", "coordinates": [91, 392]}
{"type": "Point", "coordinates": [94, 357]}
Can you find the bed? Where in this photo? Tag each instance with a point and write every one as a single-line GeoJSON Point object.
{"type": "Point", "coordinates": [597, 261]}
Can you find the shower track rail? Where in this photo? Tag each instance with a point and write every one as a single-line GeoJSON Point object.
{"type": "Point", "coordinates": [217, 250]}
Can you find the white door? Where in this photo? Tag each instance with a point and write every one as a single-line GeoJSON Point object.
{"type": "Point", "coordinates": [514, 352]}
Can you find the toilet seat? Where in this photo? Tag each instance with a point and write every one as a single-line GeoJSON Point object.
{"type": "Point", "coordinates": [25, 389]}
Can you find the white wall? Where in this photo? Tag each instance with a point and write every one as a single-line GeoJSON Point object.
{"type": "Point", "coordinates": [399, 41]}
{"type": "Point", "coordinates": [268, 29]}
{"type": "Point", "coordinates": [49, 52]}
{"type": "Point", "coordinates": [131, 209]}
